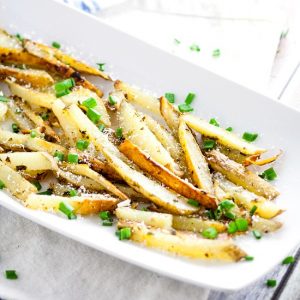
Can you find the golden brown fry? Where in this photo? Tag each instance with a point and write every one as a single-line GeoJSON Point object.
{"type": "Point", "coordinates": [36, 78]}
{"type": "Point", "coordinates": [239, 175]}
{"type": "Point", "coordinates": [165, 176]}
{"type": "Point", "coordinates": [184, 244]}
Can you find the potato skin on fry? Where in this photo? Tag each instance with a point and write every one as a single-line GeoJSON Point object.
{"type": "Point", "coordinates": [165, 176]}
{"type": "Point", "coordinates": [239, 175]}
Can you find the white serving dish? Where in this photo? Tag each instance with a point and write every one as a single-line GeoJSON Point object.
{"type": "Point", "coordinates": [139, 63]}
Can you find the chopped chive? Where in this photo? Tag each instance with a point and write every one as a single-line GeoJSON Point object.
{"type": "Point", "coordinates": [242, 224]}
{"type": "Point", "coordinates": [19, 37]}
{"type": "Point", "coordinates": [193, 202]}
{"type": "Point", "coordinates": [47, 192]}
{"type": "Point", "coordinates": [210, 214]}
{"type": "Point", "coordinates": [229, 215]}
{"type": "Point", "coordinates": [185, 107]}
{"type": "Point", "coordinates": [216, 53]}
{"type": "Point", "coordinates": [119, 133]}
{"type": "Point", "coordinates": [101, 127]}
{"type": "Point", "coordinates": [253, 210]}
{"type": "Point", "coordinates": [210, 233]}
{"type": "Point", "coordinates": [73, 193]}
{"type": "Point", "coordinates": [104, 215]}
{"type": "Point", "coordinates": [226, 204]}
{"type": "Point", "coordinates": [170, 97]}
{"type": "Point", "coordinates": [33, 134]}
{"type": "Point", "coordinates": [124, 233]}
{"type": "Point", "coordinates": [250, 137]}
{"type": "Point", "coordinates": [257, 234]}
{"type": "Point", "coordinates": [209, 144]}
{"type": "Point", "coordinates": [176, 41]}
{"type": "Point", "coordinates": [62, 93]}
{"type": "Point", "coordinates": [89, 103]}
{"type": "Point", "coordinates": [232, 228]}
{"type": "Point", "coordinates": [101, 66]}
{"type": "Point", "coordinates": [59, 155]}
{"type": "Point", "coordinates": [268, 174]}
{"type": "Point", "coordinates": [214, 122]}
{"type": "Point", "coordinates": [144, 209]}
{"type": "Point", "coordinates": [111, 100]}
{"type": "Point", "coordinates": [229, 129]}
{"type": "Point", "coordinates": [37, 184]}
{"type": "Point", "coordinates": [82, 144]}
{"type": "Point", "coordinates": [271, 282]}
{"type": "Point", "coordinates": [72, 158]}
{"type": "Point", "coordinates": [2, 185]}
{"type": "Point", "coordinates": [15, 128]}
{"type": "Point", "coordinates": [11, 274]}
{"type": "Point", "coordinates": [189, 98]}
{"type": "Point", "coordinates": [195, 48]}
{"type": "Point", "coordinates": [56, 45]}
{"type": "Point", "coordinates": [4, 99]}
{"type": "Point", "coordinates": [67, 209]}
{"type": "Point", "coordinates": [45, 116]}
{"type": "Point", "coordinates": [62, 88]}
{"type": "Point", "coordinates": [107, 223]}
{"type": "Point", "coordinates": [288, 260]}
{"type": "Point", "coordinates": [249, 258]}
{"type": "Point", "coordinates": [93, 115]}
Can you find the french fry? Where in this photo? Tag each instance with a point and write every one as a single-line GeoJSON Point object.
{"type": "Point", "coordinates": [136, 130]}
{"type": "Point", "coordinates": [265, 225]}
{"type": "Point", "coordinates": [15, 183]}
{"type": "Point", "coordinates": [138, 97]}
{"type": "Point", "coordinates": [184, 244]}
{"type": "Point", "coordinates": [14, 111]}
{"type": "Point", "coordinates": [36, 78]}
{"type": "Point", "coordinates": [153, 219]}
{"type": "Point", "coordinates": [3, 111]}
{"type": "Point", "coordinates": [165, 176]}
{"type": "Point", "coordinates": [195, 160]}
{"type": "Point", "coordinates": [222, 136]}
{"type": "Point", "coordinates": [83, 205]}
{"type": "Point", "coordinates": [239, 175]}
{"type": "Point", "coordinates": [170, 114]}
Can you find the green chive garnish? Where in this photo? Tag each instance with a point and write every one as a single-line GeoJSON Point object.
{"type": "Point", "coordinates": [107, 223]}
{"type": "Point", "coordinates": [195, 48]}
{"type": "Point", "coordinates": [288, 260]}
{"type": "Point", "coordinates": [253, 210]}
{"type": "Point", "coordinates": [93, 115]}
{"type": "Point", "coordinates": [47, 192]}
{"type": "Point", "coordinates": [37, 185]}
{"type": "Point", "coordinates": [4, 99]}
{"type": "Point", "coordinates": [249, 258]}
{"type": "Point", "coordinates": [216, 53]}
{"type": "Point", "coordinates": [33, 134]}
{"type": "Point", "coordinates": [15, 128]}
{"type": "Point", "coordinates": [268, 174]}
{"type": "Point", "coordinates": [62, 93]}
{"type": "Point", "coordinates": [89, 103]}
{"type": "Point", "coordinates": [73, 193]}
{"type": "Point", "coordinates": [193, 202]}
{"type": "Point", "coordinates": [101, 127]}
{"type": "Point", "coordinates": [176, 41]}
{"type": "Point", "coordinates": [209, 144]}
{"type": "Point", "coordinates": [210, 233]}
{"type": "Point", "coordinates": [250, 137]}
{"type": "Point", "coordinates": [45, 116]}
{"type": "Point", "coordinates": [242, 224]}
{"type": "Point", "coordinates": [257, 234]}
{"type": "Point", "coordinates": [229, 215]}
{"type": "Point", "coordinates": [185, 107]}
{"type": "Point", "coordinates": [271, 282]}
{"type": "Point", "coordinates": [104, 215]}
{"type": "Point", "coordinates": [101, 66]}
{"type": "Point", "coordinates": [59, 155]}
{"type": "Point", "coordinates": [11, 274]}
{"type": "Point", "coordinates": [124, 233]}
{"type": "Point", "coordinates": [111, 100]}
{"type": "Point", "coordinates": [229, 129]}
{"type": "Point", "coordinates": [67, 209]}
{"type": "Point", "coordinates": [2, 185]}
{"type": "Point", "coordinates": [226, 204]}
{"type": "Point", "coordinates": [214, 122]}
{"type": "Point", "coordinates": [189, 98]}
{"type": "Point", "coordinates": [82, 144]}
{"type": "Point", "coordinates": [62, 88]}
{"type": "Point", "coordinates": [232, 228]}
{"type": "Point", "coordinates": [119, 132]}
{"type": "Point", "coordinates": [19, 37]}
{"type": "Point", "coordinates": [56, 45]}
{"type": "Point", "coordinates": [170, 97]}
{"type": "Point", "coordinates": [73, 158]}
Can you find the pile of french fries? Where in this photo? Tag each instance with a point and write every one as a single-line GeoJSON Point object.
{"type": "Point", "coordinates": [60, 152]}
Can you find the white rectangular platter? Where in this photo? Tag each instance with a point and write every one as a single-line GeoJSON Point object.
{"type": "Point", "coordinates": [233, 105]}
